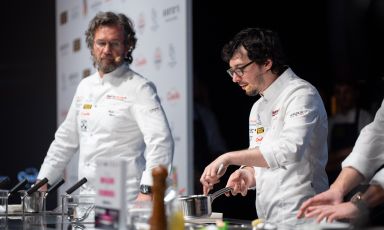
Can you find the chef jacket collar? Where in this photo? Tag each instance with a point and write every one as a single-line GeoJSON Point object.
{"type": "Point", "coordinates": [119, 71]}
{"type": "Point", "coordinates": [274, 90]}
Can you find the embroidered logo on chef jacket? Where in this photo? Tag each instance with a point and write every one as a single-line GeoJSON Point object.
{"type": "Point", "coordinates": [116, 97]}
{"type": "Point", "coordinates": [275, 112]}
{"type": "Point", "coordinates": [252, 129]}
{"type": "Point", "coordinates": [256, 133]}
{"type": "Point", "coordinates": [112, 113]}
{"type": "Point", "coordinates": [83, 125]}
{"type": "Point", "coordinates": [253, 121]}
{"type": "Point", "coordinates": [259, 136]}
{"type": "Point", "coordinates": [85, 113]}
{"type": "Point", "coordinates": [259, 139]}
{"type": "Point", "coordinates": [260, 130]}
{"type": "Point", "coordinates": [256, 136]}
{"type": "Point", "coordinates": [79, 100]}
{"type": "Point", "coordinates": [299, 113]}
{"type": "Point", "coordinates": [87, 106]}
{"type": "Point", "coordinates": [258, 122]}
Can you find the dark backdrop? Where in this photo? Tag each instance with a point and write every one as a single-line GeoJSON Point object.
{"type": "Point", "coordinates": [323, 40]}
{"type": "Point", "coordinates": [27, 85]}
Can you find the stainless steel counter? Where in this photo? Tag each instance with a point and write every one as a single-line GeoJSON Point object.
{"type": "Point", "coordinates": [51, 221]}
{"type": "Point", "coordinates": [37, 221]}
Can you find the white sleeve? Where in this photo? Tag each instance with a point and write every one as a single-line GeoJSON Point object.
{"type": "Point", "coordinates": [62, 149]}
{"type": "Point", "coordinates": [300, 122]}
{"type": "Point", "coordinates": [378, 178]}
{"type": "Point", "coordinates": [154, 126]}
{"type": "Point", "coordinates": [367, 154]}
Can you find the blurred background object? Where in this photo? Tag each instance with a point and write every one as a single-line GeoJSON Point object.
{"type": "Point", "coordinates": [348, 117]}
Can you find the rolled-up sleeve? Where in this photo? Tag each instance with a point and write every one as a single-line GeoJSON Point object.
{"type": "Point", "coordinates": [367, 154]}
{"type": "Point", "coordinates": [298, 128]}
{"type": "Point", "coordinates": [378, 178]}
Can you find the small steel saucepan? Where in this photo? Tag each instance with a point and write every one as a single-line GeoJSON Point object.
{"type": "Point", "coordinates": [200, 205]}
{"type": "Point", "coordinates": [32, 199]}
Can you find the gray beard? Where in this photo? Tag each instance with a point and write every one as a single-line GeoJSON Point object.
{"type": "Point", "coordinates": [106, 68]}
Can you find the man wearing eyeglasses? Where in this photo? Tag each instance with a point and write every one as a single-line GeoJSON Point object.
{"type": "Point", "coordinates": [287, 154]}
{"type": "Point", "coordinates": [115, 114]}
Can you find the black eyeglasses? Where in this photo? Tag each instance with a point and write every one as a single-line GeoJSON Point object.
{"type": "Point", "coordinates": [239, 71]}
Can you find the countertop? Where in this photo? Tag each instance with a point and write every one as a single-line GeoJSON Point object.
{"type": "Point", "coordinates": [50, 221]}
{"type": "Point", "coordinates": [38, 221]}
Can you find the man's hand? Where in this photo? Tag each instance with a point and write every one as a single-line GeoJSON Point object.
{"type": "Point", "coordinates": [241, 180]}
{"type": "Point", "coordinates": [329, 197]}
{"type": "Point", "coordinates": [212, 174]}
{"type": "Point", "coordinates": [345, 210]}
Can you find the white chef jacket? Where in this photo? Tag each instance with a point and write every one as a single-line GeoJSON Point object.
{"type": "Point", "coordinates": [289, 126]}
{"type": "Point", "coordinates": [368, 153]}
{"type": "Point", "coordinates": [118, 116]}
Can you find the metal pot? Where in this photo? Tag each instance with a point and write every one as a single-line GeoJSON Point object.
{"type": "Point", "coordinates": [199, 205]}
{"type": "Point", "coordinates": [33, 202]}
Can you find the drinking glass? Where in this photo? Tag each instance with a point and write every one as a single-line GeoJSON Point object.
{"type": "Point", "coordinates": [79, 208]}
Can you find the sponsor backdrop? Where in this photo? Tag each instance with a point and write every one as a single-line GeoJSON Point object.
{"type": "Point", "coordinates": [161, 55]}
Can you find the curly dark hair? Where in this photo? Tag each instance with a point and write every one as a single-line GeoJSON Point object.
{"type": "Point", "coordinates": [261, 44]}
{"type": "Point", "coordinates": [109, 19]}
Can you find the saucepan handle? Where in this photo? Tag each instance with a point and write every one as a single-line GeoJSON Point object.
{"type": "Point", "coordinates": [219, 193]}
{"type": "Point", "coordinates": [76, 186]}
{"type": "Point", "coordinates": [37, 186]}
{"type": "Point", "coordinates": [56, 185]}
{"type": "Point", "coordinates": [17, 187]}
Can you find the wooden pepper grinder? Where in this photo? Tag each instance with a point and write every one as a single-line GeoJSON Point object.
{"type": "Point", "coordinates": [159, 220]}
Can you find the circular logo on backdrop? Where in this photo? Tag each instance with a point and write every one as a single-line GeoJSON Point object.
{"type": "Point", "coordinates": [29, 173]}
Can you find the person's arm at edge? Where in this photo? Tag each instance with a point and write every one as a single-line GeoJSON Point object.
{"type": "Point", "coordinates": [348, 179]}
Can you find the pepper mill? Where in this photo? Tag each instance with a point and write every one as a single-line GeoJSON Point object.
{"type": "Point", "coordinates": [159, 220]}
